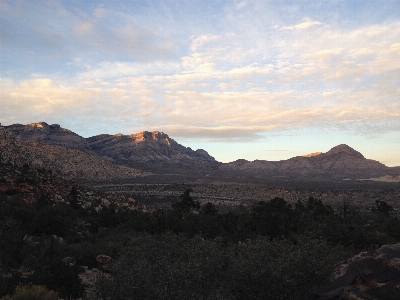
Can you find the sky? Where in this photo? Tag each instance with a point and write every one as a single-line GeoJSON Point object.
{"type": "Point", "coordinates": [248, 80]}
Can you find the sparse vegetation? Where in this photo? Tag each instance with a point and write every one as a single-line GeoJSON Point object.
{"type": "Point", "coordinates": [188, 250]}
{"type": "Point", "coordinates": [32, 292]}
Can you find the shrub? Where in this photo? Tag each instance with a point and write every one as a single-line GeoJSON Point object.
{"type": "Point", "coordinates": [32, 292]}
{"type": "Point", "coordinates": [60, 277]}
{"type": "Point", "coordinates": [174, 267]}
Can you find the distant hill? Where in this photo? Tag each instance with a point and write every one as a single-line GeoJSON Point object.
{"type": "Point", "coordinates": [341, 161]}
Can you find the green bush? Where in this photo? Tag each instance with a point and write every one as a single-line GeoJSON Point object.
{"type": "Point", "coordinates": [170, 266]}
{"type": "Point", "coordinates": [60, 277]}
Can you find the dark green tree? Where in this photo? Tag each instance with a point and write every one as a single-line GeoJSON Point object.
{"type": "Point", "coordinates": [209, 209]}
{"type": "Point", "coordinates": [187, 203]}
{"type": "Point", "coordinates": [383, 207]}
{"type": "Point", "coordinates": [74, 198]}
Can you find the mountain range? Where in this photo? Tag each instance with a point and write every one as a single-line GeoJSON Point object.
{"type": "Point", "coordinates": [341, 161]}
{"type": "Point", "coordinates": [104, 157]}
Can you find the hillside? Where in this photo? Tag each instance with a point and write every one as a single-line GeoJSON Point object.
{"type": "Point", "coordinates": [149, 151]}
{"type": "Point", "coordinates": [68, 163]}
{"type": "Point", "coordinates": [340, 162]}
{"type": "Point", "coordinates": [49, 134]}
{"type": "Point", "coordinates": [152, 151]}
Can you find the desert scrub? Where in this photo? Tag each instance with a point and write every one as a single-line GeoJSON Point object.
{"type": "Point", "coordinates": [32, 292]}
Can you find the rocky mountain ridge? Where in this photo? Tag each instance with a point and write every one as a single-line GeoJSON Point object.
{"type": "Point", "coordinates": [52, 134]}
{"type": "Point", "coordinates": [156, 152]}
{"type": "Point", "coordinates": [145, 146]}
{"type": "Point", "coordinates": [67, 163]}
{"type": "Point", "coordinates": [151, 151]}
{"type": "Point", "coordinates": [341, 161]}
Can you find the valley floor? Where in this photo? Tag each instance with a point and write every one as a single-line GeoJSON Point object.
{"type": "Point", "coordinates": [359, 196]}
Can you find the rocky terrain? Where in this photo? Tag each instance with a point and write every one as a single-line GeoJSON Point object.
{"type": "Point", "coordinates": [32, 171]}
{"type": "Point", "coordinates": [11, 151]}
{"type": "Point", "coordinates": [368, 275]}
{"type": "Point", "coordinates": [75, 164]}
{"type": "Point", "coordinates": [341, 162]}
{"type": "Point", "coordinates": [34, 184]}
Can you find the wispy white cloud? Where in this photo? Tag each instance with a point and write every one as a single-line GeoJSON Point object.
{"type": "Point", "coordinates": [302, 26]}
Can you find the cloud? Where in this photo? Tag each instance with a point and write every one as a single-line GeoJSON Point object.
{"type": "Point", "coordinates": [95, 33]}
{"type": "Point", "coordinates": [241, 5]}
{"type": "Point", "coordinates": [202, 40]}
{"type": "Point", "coordinates": [302, 26]}
{"type": "Point", "coordinates": [120, 69]}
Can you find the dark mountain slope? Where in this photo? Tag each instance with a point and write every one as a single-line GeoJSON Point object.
{"type": "Point", "coordinates": [340, 162]}
{"type": "Point", "coordinates": [65, 162]}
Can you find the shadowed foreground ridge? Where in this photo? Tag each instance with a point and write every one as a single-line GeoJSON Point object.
{"type": "Point", "coordinates": [368, 275]}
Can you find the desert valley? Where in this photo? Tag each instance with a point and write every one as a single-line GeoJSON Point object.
{"type": "Point", "coordinates": [91, 201]}
{"type": "Point", "coordinates": [235, 149]}
{"type": "Point", "coordinates": [153, 167]}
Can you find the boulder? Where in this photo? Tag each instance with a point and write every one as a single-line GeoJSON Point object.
{"type": "Point", "coordinates": [105, 203]}
{"type": "Point", "coordinates": [368, 275]}
{"type": "Point", "coordinates": [105, 262]}
{"type": "Point", "coordinates": [131, 201]}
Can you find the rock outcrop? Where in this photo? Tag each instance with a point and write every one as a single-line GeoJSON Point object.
{"type": "Point", "coordinates": [312, 154]}
{"type": "Point", "coordinates": [373, 275]}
